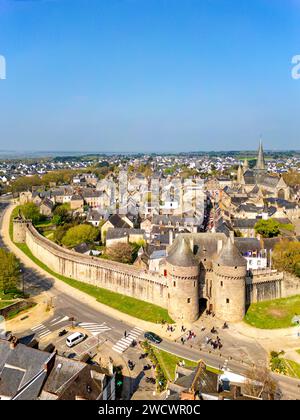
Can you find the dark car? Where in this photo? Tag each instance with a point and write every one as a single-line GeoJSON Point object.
{"type": "Point", "coordinates": [153, 337]}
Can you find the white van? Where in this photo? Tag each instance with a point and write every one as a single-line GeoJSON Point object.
{"type": "Point", "coordinates": [74, 339]}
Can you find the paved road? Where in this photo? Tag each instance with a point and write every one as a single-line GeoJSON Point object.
{"type": "Point", "coordinates": [68, 306]}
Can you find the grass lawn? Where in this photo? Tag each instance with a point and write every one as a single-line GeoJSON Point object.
{"type": "Point", "coordinates": [49, 234]}
{"type": "Point", "coordinates": [293, 368]}
{"type": "Point", "coordinates": [13, 294]}
{"type": "Point", "coordinates": [169, 361]}
{"type": "Point", "coordinates": [128, 305]}
{"type": "Point", "coordinates": [273, 314]}
{"type": "Point", "coordinates": [4, 303]}
{"type": "Point", "coordinates": [15, 312]}
{"type": "Point", "coordinates": [47, 223]}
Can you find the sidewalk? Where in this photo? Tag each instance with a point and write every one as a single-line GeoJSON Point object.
{"type": "Point", "coordinates": [39, 314]}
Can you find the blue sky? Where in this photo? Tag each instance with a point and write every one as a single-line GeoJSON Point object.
{"type": "Point", "coordinates": [149, 75]}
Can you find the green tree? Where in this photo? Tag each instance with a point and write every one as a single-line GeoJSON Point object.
{"type": "Point", "coordinates": [63, 213]}
{"type": "Point", "coordinates": [25, 183]}
{"type": "Point", "coordinates": [60, 232]}
{"type": "Point", "coordinates": [267, 228]}
{"type": "Point", "coordinates": [79, 234]}
{"type": "Point", "coordinates": [9, 271]}
{"type": "Point", "coordinates": [286, 256]}
{"type": "Point", "coordinates": [56, 220]}
{"type": "Point", "coordinates": [30, 211]}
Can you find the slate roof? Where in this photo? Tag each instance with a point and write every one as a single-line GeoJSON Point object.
{"type": "Point", "coordinates": [19, 366]}
{"type": "Point", "coordinates": [91, 194]}
{"type": "Point", "coordinates": [94, 215]}
{"type": "Point", "coordinates": [249, 177]}
{"type": "Point", "coordinates": [181, 254]}
{"type": "Point", "coordinates": [76, 197]}
{"type": "Point", "coordinates": [247, 244]}
{"type": "Point", "coordinates": [244, 223]}
{"type": "Point", "coordinates": [230, 256]}
{"type": "Point", "coordinates": [282, 203]}
{"type": "Point", "coordinates": [118, 222]}
{"type": "Point", "coordinates": [267, 180]}
{"type": "Point", "coordinates": [122, 232]}
{"type": "Point", "coordinates": [48, 203]}
{"type": "Point", "coordinates": [81, 248]}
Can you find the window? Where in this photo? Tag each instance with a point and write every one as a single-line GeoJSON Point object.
{"type": "Point", "coordinates": [227, 300]}
{"type": "Point", "coordinates": [221, 284]}
{"type": "Point", "coordinates": [165, 273]}
{"type": "Point", "coordinates": [189, 300]}
{"type": "Point", "coordinates": [174, 283]}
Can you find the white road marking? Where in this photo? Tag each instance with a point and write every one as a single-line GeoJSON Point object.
{"type": "Point", "coordinates": [125, 342]}
{"type": "Point", "coordinates": [58, 321]}
{"type": "Point", "coordinates": [94, 328]}
{"type": "Point", "coordinates": [44, 333]}
{"type": "Point", "coordinates": [37, 327]}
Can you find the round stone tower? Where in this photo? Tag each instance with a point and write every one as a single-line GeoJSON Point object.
{"type": "Point", "coordinates": [183, 282]}
{"type": "Point", "coordinates": [230, 270]}
{"type": "Point", "coordinates": [19, 229]}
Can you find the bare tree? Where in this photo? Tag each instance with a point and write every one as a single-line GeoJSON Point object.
{"type": "Point", "coordinates": [121, 252]}
{"type": "Point", "coordinates": [260, 383]}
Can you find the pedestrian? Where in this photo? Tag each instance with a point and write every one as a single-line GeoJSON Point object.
{"type": "Point", "coordinates": [125, 334]}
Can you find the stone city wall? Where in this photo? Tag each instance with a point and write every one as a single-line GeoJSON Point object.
{"type": "Point", "coordinates": [264, 285]}
{"type": "Point", "coordinates": [291, 285]}
{"type": "Point", "coordinates": [117, 277]}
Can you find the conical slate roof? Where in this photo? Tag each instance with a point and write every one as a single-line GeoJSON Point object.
{"type": "Point", "coordinates": [181, 254]}
{"type": "Point", "coordinates": [230, 256]}
{"type": "Point", "coordinates": [260, 164]}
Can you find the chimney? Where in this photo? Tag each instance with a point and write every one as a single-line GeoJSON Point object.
{"type": "Point", "coordinates": [220, 245]}
{"type": "Point", "coordinates": [170, 237]}
{"type": "Point", "coordinates": [13, 343]}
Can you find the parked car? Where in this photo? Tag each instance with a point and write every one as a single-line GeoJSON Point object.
{"type": "Point", "coordinates": [153, 337]}
{"type": "Point", "coordinates": [74, 339]}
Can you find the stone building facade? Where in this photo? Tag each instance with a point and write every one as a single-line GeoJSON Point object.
{"type": "Point", "coordinates": [201, 270]}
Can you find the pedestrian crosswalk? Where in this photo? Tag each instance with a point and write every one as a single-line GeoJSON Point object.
{"type": "Point", "coordinates": [94, 328]}
{"type": "Point", "coordinates": [125, 342]}
{"type": "Point", "coordinates": [41, 330]}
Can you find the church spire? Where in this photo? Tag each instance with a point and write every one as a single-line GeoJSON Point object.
{"type": "Point", "coordinates": [245, 165]}
{"type": "Point", "coordinates": [239, 174]}
{"type": "Point", "coordinates": [260, 164]}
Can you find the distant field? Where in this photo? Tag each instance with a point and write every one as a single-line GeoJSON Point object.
{"type": "Point", "coordinates": [273, 314]}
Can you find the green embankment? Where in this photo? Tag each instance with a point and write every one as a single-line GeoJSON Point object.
{"type": "Point", "coordinates": [273, 314]}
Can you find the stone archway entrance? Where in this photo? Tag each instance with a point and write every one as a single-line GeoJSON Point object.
{"type": "Point", "coordinates": [203, 306]}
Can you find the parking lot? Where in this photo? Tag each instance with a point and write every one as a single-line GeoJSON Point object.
{"type": "Point", "coordinates": [88, 346]}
